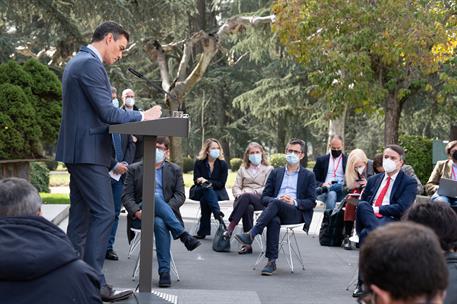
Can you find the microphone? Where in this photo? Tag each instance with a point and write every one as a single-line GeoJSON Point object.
{"type": "Point", "coordinates": [136, 73]}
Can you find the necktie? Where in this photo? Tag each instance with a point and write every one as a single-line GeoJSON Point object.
{"type": "Point", "coordinates": [117, 147]}
{"type": "Point", "coordinates": [381, 196]}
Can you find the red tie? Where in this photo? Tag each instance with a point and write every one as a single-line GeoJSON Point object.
{"type": "Point", "coordinates": [380, 198]}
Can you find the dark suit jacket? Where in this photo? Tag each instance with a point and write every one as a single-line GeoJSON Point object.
{"type": "Point", "coordinates": [87, 112]}
{"type": "Point", "coordinates": [321, 167]}
{"type": "Point", "coordinates": [172, 182]}
{"type": "Point", "coordinates": [128, 149]}
{"type": "Point", "coordinates": [402, 195]}
{"type": "Point", "coordinates": [306, 192]}
{"type": "Point", "coordinates": [218, 177]}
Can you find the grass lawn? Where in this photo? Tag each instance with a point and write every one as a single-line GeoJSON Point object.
{"type": "Point", "coordinates": [54, 198]}
{"type": "Point", "coordinates": [189, 179]}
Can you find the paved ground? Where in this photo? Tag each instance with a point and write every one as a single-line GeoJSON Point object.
{"type": "Point", "coordinates": [208, 276]}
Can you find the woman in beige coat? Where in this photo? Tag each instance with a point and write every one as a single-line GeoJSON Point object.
{"type": "Point", "coordinates": [443, 169]}
{"type": "Point", "coordinates": [248, 188]}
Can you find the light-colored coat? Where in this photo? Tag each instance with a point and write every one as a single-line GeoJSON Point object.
{"type": "Point", "coordinates": [245, 182]}
{"type": "Point", "coordinates": [443, 169]}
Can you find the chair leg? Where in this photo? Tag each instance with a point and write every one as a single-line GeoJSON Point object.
{"type": "Point", "coordinates": [290, 252]}
{"type": "Point", "coordinates": [298, 253]}
{"type": "Point", "coordinates": [134, 244]}
{"type": "Point", "coordinates": [136, 268]}
{"type": "Point", "coordinates": [173, 267]}
{"type": "Point", "coordinates": [261, 255]}
{"type": "Point", "coordinates": [197, 223]}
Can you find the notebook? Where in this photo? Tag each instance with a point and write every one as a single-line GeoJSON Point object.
{"type": "Point", "coordinates": [448, 187]}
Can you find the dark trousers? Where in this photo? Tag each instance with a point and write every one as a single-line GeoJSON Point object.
{"type": "Point", "coordinates": [209, 204]}
{"type": "Point", "coordinates": [116, 187]}
{"type": "Point", "coordinates": [277, 213]}
{"type": "Point", "coordinates": [366, 221]}
{"type": "Point", "coordinates": [244, 208]}
{"type": "Point", "coordinates": [91, 213]}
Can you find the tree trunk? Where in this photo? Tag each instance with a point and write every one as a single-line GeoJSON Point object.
{"type": "Point", "coordinates": [176, 148]}
{"type": "Point", "coordinates": [336, 126]}
{"type": "Point", "coordinates": [453, 135]}
{"type": "Point", "coordinates": [280, 143]}
{"type": "Point", "coordinates": [392, 112]}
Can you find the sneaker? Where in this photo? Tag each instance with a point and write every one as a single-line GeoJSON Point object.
{"type": "Point", "coordinates": [269, 268]}
{"type": "Point", "coordinates": [244, 238]}
{"type": "Point", "coordinates": [347, 244]}
{"type": "Point", "coordinates": [164, 279]}
{"type": "Point", "coordinates": [189, 241]}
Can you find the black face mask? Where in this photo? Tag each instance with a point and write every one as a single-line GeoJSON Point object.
{"type": "Point", "coordinates": [454, 155]}
{"type": "Point", "coordinates": [336, 153]}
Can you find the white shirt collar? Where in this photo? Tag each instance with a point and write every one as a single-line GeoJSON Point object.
{"type": "Point", "coordinates": [91, 47]}
{"type": "Point", "coordinates": [393, 177]}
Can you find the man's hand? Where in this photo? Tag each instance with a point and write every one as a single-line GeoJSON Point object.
{"type": "Point", "coordinates": [153, 113]}
{"type": "Point", "coordinates": [201, 180]}
{"type": "Point", "coordinates": [327, 184]}
{"type": "Point", "coordinates": [138, 215]}
{"type": "Point", "coordinates": [121, 168]}
{"type": "Point", "coordinates": [288, 199]}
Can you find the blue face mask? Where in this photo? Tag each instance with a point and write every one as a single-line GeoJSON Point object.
{"type": "Point", "coordinates": [292, 158]}
{"type": "Point", "coordinates": [160, 155]}
{"type": "Point", "coordinates": [255, 159]}
{"type": "Point", "coordinates": [214, 153]}
{"type": "Point", "coordinates": [116, 102]}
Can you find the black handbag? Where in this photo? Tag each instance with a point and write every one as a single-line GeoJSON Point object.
{"type": "Point", "coordinates": [221, 243]}
{"type": "Point", "coordinates": [331, 232]}
{"type": "Point", "coordinates": [195, 192]}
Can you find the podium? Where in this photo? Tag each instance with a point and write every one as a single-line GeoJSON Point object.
{"type": "Point", "coordinates": [178, 127]}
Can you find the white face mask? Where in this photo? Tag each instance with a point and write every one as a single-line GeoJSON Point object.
{"type": "Point", "coordinates": [116, 102]}
{"type": "Point", "coordinates": [130, 102]}
{"type": "Point", "coordinates": [389, 165]}
{"type": "Point", "coordinates": [360, 170]}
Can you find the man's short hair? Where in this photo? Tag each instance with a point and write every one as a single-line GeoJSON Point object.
{"type": "Point", "coordinates": [335, 136]}
{"type": "Point", "coordinates": [296, 141]}
{"type": "Point", "coordinates": [18, 198]}
{"type": "Point", "coordinates": [109, 27]}
{"type": "Point", "coordinates": [113, 90]}
{"type": "Point", "coordinates": [439, 217]}
{"type": "Point", "coordinates": [404, 259]}
{"type": "Point", "coordinates": [397, 149]}
{"type": "Point", "coordinates": [125, 92]}
{"type": "Point", "coordinates": [163, 140]}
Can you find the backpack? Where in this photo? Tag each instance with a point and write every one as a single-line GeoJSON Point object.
{"type": "Point", "coordinates": [331, 232]}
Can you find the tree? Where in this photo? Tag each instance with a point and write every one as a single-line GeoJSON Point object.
{"type": "Point", "coordinates": [368, 54]}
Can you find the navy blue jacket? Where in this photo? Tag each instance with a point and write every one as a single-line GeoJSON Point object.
{"type": "Point", "coordinates": [306, 193]}
{"type": "Point", "coordinates": [321, 168]}
{"type": "Point", "coordinates": [38, 264]}
{"type": "Point", "coordinates": [218, 177]}
{"type": "Point", "coordinates": [87, 112]}
{"type": "Point", "coordinates": [402, 196]}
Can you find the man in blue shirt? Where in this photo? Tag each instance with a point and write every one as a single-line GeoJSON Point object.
{"type": "Point", "coordinates": [169, 196]}
{"type": "Point", "coordinates": [289, 197]}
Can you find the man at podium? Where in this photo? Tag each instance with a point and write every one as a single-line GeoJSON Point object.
{"type": "Point", "coordinates": [84, 145]}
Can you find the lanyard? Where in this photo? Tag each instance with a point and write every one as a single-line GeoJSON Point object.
{"type": "Point", "coordinates": [453, 174]}
{"type": "Point", "coordinates": [337, 165]}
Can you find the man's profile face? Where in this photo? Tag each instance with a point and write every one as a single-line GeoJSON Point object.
{"type": "Point", "coordinates": [114, 48]}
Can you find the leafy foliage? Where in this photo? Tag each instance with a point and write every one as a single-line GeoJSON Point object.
{"type": "Point", "coordinates": [39, 176]}
{"type": "Point", "coordinates": [235, 164]}
{"type": "Point", "coordinates": [278, 160]}
{"type": "Point", "coordinates": [418, 155]}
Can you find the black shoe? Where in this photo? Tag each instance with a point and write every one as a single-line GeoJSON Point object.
{"type": "Point", "coordinates": [164, 279]}
{"type": "Point", "coordinates": [189, 241]}
{"type": "Point", "coordinates": [111, 255]}
{"type": "Point", "coordinates": [347, 244]}
{"type": "Point", "coordinates": [108, 294]}
{"type": "Point", "coordinates": [200, 237]}
{"type": "Point", "coordinates": [269, 268]}
{"type": "Point", "coordinates": [358, 291]}
{"type": "Point", "coordinates": [244, 238]}
{"type": "Point", "coordinates": [220, 217]}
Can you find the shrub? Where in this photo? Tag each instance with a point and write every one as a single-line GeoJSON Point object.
{"type": "Point", "coordinates": [52, 165]}
{"type": "Point", "coordinates": [235, 163]}
{"type": "Point", "coordinates": [39, 176]}
{"type": "Point", "coordinates": [187, 164]}
{"type": "Point", "coordinates": [418, 155]}
{"type": "Point", "coordinates": [278, 160]}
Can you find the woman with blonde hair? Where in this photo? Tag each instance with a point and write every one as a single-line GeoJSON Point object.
{"type": "Point", "coordinates": [356, 175]}
{"type": "Point", "coordinates": [248, 188]}
{"type": "Point", "coordinates": [210, 176]}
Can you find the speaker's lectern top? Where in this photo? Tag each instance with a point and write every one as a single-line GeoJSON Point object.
{"type": "Point", "coordinates": [168, 126]}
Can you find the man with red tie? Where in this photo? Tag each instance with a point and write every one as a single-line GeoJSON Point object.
{"type": "Point", "coordinates": [386, 196]}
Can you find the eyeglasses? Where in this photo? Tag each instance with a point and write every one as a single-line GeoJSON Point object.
{"type": "Point", "coordinates": [293, 151]}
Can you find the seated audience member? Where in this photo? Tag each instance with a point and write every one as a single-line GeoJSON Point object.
{"type": "Point", "coordinates": [442, 220]}
{"type": "Point", "coordinates": [329, 172]}
{"type": "Point", "coordinates": [408, 169]}
{"type": "Point", "coordinates": [386, 197]}
{"type": "Point", "coordinates": [402, 263]}
{"type": "Point", "coordinates": [38, 262]}
{"type": "Point", "coordinates": [247, 190]}
{"type": "Point", "coordinates": [289, 197]}
{"type": "Point", "coordinates": [356, 179]}
{"type": "Point", "coordinates": [169, 196]}
{"type": "Point", "coordinates": [443, 169]}
{"type": "Point", "coordinates": [210, 173]}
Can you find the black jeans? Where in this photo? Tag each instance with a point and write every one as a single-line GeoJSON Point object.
{"type": "Point", "coordinates": [244, 208]}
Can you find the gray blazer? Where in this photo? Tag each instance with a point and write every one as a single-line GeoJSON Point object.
{"type": "Point", "coordinates": [173, 188]}
{"type": "Point", "coordinates": [87, 112]}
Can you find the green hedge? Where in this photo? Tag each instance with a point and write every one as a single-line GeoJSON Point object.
{"type": "Point", "coordinates": [235, 164]}
{"type": "Point", "coordinates": [188, 164]}
{"type": "Point", "coordinates": [418, 155]}
{"type": "Point", "coordinates": [278, 160]}
{"type": "Point", "coordinates": [39, 176]}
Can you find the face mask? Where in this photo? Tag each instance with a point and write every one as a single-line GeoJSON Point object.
{"type": "Point", "coordinates": [336, 153]}
{"type": "Point", "coordinates": [292, 158]}
{"type": "Point", "coordinates": [129, 102]}
{"type": "Point", "coordinates": [255, 159]}
{"type": "Point", "coordinates": [389, 165]}
{"type": "Point", "coordinates": [116, 102]}
{"type": "Point", "coordinates": [454, 155]}
{"type": "Point", "coordinates": [360, 170]}
{"type": "Point", "coordinates": [214, 153]}
{"type": "Point", "coordinates": [160, 155]}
